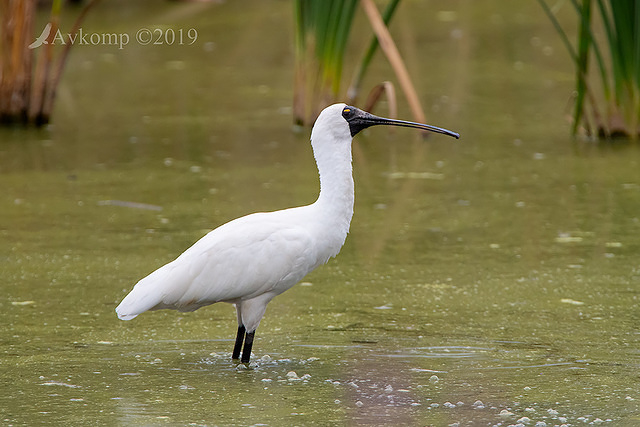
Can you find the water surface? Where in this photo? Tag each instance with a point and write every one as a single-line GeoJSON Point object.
{"type": "Point", "coordinates": [483, 281]}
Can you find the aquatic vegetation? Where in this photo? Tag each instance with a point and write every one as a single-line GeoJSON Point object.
{"type": "Point", "coordinates": [27, 93]}
{"type": "Point", "coordinates": [607, 105]}
{"type": "Point", "coordinates": [322, 35]}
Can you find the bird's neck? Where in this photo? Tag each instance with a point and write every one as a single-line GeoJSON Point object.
{"type": "Point", "coordinates": [335, 202]}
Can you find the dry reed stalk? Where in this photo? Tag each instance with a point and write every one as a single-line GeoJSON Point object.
{"type": "Point", "coordinates": [393, 55]}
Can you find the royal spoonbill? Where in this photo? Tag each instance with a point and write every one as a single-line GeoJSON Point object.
{"type": "Point", "coordinates": [250, 260]}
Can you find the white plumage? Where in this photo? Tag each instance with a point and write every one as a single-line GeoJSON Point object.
{"type": "Point", "coordinates": [250, 260]}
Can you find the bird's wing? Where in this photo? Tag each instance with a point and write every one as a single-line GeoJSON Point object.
{"type": "Point", "coordinates": [242, 259]}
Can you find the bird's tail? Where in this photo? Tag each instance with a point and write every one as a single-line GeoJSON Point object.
{"type": "Point", "coordinates": [140, 299]}
{"type": "Point", "coordinates": [147, 294]}
{"type": "Point", "coordinates": [125, 309]}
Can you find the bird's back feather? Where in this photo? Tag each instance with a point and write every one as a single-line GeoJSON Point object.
{"type": "Point", "coordinates": [245, 258]}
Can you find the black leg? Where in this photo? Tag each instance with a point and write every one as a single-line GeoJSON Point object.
{"type": "Point", "coordinates": [239, 339]}
{"type": "Point", "coordinates": [248, 343]}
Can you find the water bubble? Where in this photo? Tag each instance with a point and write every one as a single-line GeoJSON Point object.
{"type": "Point", "coordinates": [505, 413]}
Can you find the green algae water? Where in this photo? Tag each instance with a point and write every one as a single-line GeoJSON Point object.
{"type": "Point", "coordinates": [492, 280]}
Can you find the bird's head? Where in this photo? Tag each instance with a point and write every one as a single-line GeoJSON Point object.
{"type": "Point", "coordinates": [342, 121]}
{"type": "Point", "coordinates": [331, 125]}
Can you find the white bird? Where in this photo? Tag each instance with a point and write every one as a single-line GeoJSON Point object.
{"type": "Point", "coordinates": [252, 259]}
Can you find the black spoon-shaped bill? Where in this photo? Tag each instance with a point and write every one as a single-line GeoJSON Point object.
{"type": "Point", "coordinates": [359, 120]}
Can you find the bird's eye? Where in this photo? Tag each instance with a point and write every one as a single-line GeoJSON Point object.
{"type": "Point", "coordinates": [348, 112]}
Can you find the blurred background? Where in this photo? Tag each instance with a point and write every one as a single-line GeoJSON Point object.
{"type": "Point", "coordinates": [492, 280]}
